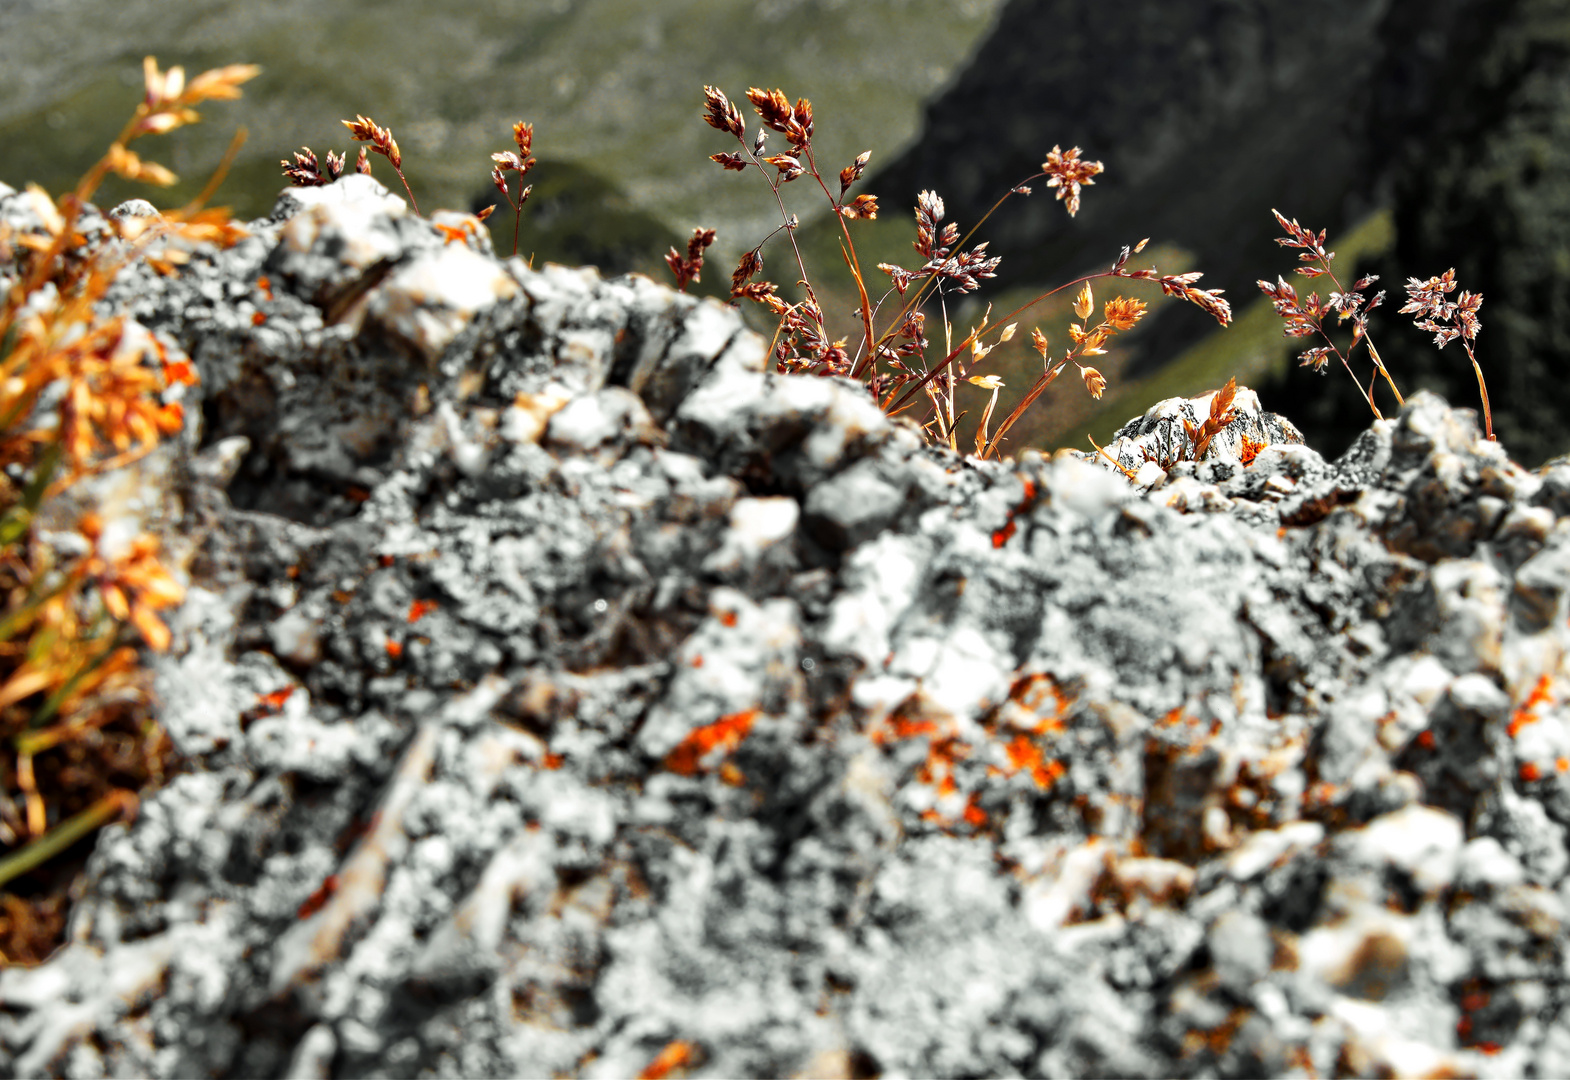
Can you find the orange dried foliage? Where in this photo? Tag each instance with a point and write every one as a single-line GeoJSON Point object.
{"type": "Point", "coordinates": [420, 608]}
{"type": "Point", "coordinates": [1221, 414]}
{"type": "Point", "coordinates": [82, 394]}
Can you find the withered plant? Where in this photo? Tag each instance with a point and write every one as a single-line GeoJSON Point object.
{"type": "Point", "coordinates": [1305, 316]}
{"type": "Point", "coordinates": [306, 171]}
{"type": "Point", "coordinates": [509, 162]}
{"type": "Point", "coordinates": [81, 393]}
{"type": "Point", "coordinates": [893, 360]}
{"type": "Point", "coordinates": [1448, 320]}
{"type": "Point", "coordinates": [689, 267]}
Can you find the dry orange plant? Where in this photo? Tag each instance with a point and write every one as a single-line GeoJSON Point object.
{"type": "Point", "coordinates": [81, 393]}
{"type": "Point", "coordinates": [1427, 302]}
{"type": "Point", "coordinates": [893, 360]}
{"type": "Point", "coordinates": [306, 171]}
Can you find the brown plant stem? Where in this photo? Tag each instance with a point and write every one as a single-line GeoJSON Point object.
{"type": "Point", "coordinates": [211, 187]}
{"type": "Point", "coordinates": [1026, 402]}
{"type": "Point", "coordinates": [1482, 389]}
{"type": "Point", "coordinates": [984, 331]}
{"type": "Point", "coordinates": [919, 295]}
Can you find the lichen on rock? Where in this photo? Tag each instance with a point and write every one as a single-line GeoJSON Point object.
{"type": "Point", "coordinates": [556, 684]}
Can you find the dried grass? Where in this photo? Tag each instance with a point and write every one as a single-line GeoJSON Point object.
{"type": "Point", "coordinates": [80, 394]}
{"type": "Point", "coordinates": [890, 353]}
{"type": "Point", "coordinates": [1305, 316]}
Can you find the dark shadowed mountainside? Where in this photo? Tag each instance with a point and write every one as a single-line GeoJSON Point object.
{"type": "Point", "coordinates": [1447, 116]}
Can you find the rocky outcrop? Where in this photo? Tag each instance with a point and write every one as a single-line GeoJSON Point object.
{"type": "Point", "coordinates": [563, 692]}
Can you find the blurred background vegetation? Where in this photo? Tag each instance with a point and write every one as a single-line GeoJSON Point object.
{"type": "Point", "coordinates": [1422, 135]}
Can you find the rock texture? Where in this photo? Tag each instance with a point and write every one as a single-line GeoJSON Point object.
{"type": "Point", "coordinates": [564, 693]}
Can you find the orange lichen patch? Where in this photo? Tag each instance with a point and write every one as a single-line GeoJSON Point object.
{"type": "Point", "coordinates": [1035, 704]}
{"type": "Point", "coordinates": [1474, 1000]}
{"type": "Point", "coordinates": [1024, 754]}
{"type": "Point", "coordinates": [731, 775]}
{"type": "Point", "coordinates": [258, 317]}
{"type": "Point", "coordinates": [264, 285]}
{"type": "Point", "coordinates": [552, 761]}
{"type": "Point", "coordinates": [275, 700]}
{"type": "Point", "coordinates": [313, 903]}
{"type": "Point", "coordinates": [725, 734]}
{"type": "Point", "coordinates": [1531, 771]}
{"type": "Point", "coordinates": [1217, 1039]}
{"type": "Point", "coordinates": [459, 233]}
{"type": "Point", "coordinates": [384, 561]}
{"type": "Point", "coordinates": [420, 608]}
{"type": "Point", "coordinates": [395, 649]}
{"type": "Point", "coordinates": [1425, 739]}
{"type": "Point", "coordinates": [1040, 693]}
{"type": "Point", "coordinates": [675, 1055]}
{"type": "Point", "coordinates": [1526, 712]}
{"type": "Point", "coordinates": [727, 618]}
{"type": "Point", "coordinates": [902, 727]}
{"type": "Point", "coordinates": [1006, 533]}
{"type": "Point", "coordinates": [974, 815]}
{"type": "Point", "coordinates": [697, 661]}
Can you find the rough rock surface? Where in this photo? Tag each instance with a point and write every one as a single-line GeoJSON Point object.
{"type": "Point", "coordinates": [563, 693]}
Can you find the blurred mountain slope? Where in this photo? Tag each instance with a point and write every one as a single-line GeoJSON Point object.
{"type": "Point", "coordinates": [613, 87]}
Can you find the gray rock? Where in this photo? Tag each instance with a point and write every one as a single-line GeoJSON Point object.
{"type": "Point", "coordinates": [559, 690]}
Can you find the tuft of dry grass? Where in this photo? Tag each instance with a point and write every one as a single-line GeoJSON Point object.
{"type": "Point", "coordinates": [890, 352]}
{"type": "Point", "coordinates": [1305, 317]}
{"type": "Point", "coordinates": [509, 162]}
{"type": "Point", "coordinates": [80, 394]}
{"type": "Point", "coordinates": [306, 171]}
